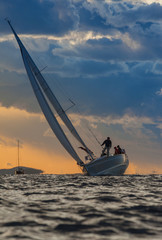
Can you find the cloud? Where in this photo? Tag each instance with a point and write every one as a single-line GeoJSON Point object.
{"type": "Point", "coordinates": [151, 1]}
{"type": "Point", "coordinates": [131, 124]}
{"type": "Point", "coordinates": [28, 127]}
{"type": "Point", "coordinates": [159, 92]}
{"type": "Point", "coordinates": [118, 14]}
{"type": "Point", "coordinates": [55, 17]}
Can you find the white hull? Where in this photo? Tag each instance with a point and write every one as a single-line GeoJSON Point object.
{"type": "Point", "coordinates": [107, 166]}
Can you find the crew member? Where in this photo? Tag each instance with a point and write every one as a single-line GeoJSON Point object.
{"type": "Point", "coordinates": [107, 147]}
{"type": "Point", "coordinates": [116, 151]}
{"type": "Point", "coordinates": [119, 149]}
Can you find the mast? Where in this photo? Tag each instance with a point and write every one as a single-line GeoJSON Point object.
{"type": "Point", "coordinates": [43, 102]}
{"type": "Point", "coordinates": [18, 158]}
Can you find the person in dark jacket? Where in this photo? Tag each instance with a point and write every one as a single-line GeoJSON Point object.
{"type": "Point", "coordinates": [107, 147]}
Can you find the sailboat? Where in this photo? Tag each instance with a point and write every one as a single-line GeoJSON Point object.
{"type": "Point", "coordinates": [18, 170]}
{"type": "Point", "coordinates": [95, 166]}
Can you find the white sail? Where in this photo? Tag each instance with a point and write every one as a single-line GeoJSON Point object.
{"type": "Point", "coordinates": [43, 103]}
{"type": "Point", "coordinates": [50, 95]}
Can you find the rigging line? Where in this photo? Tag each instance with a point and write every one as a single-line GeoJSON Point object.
{"type": "Point", "coordinates": [86, 125]}
{"type": "Point", "coordinates": [73, 104]}
{"type": "Point", "coordinates": [94, 135]}
{"type": "Point", "coordinates": [41, 70]}
{"type": "Point", "coordinates": [61, 112]}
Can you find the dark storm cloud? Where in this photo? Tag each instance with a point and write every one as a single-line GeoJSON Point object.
{"type": "Point", "coordinates": [58, 17]}
{"type": "Point", "coordinates": [141, 21]}
{"type": "Point", "coordinates": [120, 14]}
{"type": "Point", "coordinates": [117, 68]}
{"type": "Point", "coordinates": [39, 17]}
{"type": "Point", "coordinates": [118, 92]}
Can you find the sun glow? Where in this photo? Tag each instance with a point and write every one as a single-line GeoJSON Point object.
{"type": "Point", "coordinates": [36, 158]}
{"type": "Point", "coordinates": [42, 151]}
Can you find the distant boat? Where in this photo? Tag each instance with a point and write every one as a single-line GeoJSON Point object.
{"type": "Point", "coordinates": [19, 170]}
{"type": "Point", "coordinates": [95, 166]}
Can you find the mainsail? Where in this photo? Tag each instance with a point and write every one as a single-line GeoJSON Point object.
{"type": "Point", "coordinates": [34, 75]}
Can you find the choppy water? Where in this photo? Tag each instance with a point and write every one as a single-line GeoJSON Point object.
{"type": "Point", "coordinates": [77, 207]}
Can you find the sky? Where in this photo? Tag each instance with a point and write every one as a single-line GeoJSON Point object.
{"type": "Point", "coordinates": [106, 57]}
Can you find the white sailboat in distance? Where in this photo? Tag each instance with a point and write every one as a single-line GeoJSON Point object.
{"type": "Point", "coordinates": [19, 170]}
{"type": "Point", "coordinates": [104, 165]}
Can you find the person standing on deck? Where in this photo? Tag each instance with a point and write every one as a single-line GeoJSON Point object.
{"type": "Point", "coordinates": [107, 147]}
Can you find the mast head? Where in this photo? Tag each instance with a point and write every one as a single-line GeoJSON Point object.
{"type": "Point", "coordinates": [7, 20]}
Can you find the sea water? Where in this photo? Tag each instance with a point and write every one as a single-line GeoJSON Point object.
{"type": "Point", "coordinates": [69, 207]}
